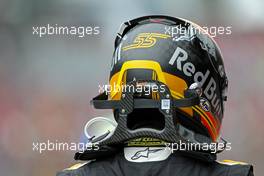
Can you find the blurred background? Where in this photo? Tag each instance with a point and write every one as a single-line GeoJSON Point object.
{"type": "Point", "coordinates": [46, 83]}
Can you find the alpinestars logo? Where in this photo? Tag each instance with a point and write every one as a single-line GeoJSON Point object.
{"type": "Point", "coordinates": [144, 153]}
{"type": "Point", "coordinates": [180, 56]}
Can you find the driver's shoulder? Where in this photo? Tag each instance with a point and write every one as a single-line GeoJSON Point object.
{"type": "Point", "coordinates": [76, 169]}
{"type": "Point", "coordinates": [235, 167]}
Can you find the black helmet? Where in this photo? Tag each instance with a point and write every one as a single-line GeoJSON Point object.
{"type": "Point", "coordinates": [180, 54]}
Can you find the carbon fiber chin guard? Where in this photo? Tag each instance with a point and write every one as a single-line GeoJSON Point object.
{"type": "Point", "coordinates": [165, 103]}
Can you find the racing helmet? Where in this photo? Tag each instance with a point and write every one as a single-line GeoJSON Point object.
{"type": "Point", "coordinates": [180, 54]}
